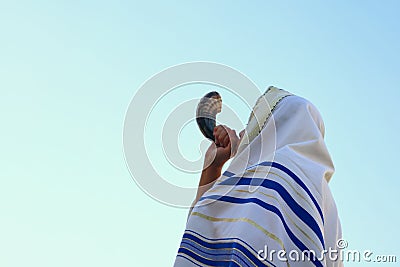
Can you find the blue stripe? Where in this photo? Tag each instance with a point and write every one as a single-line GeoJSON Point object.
{"type": "Point", "coordinates": [294, 206]}
{"type": "Point", "coordinates": [224, 245]}
{"type": "Point", "coordinates": [206, 261]}
{"type": "Point", "coordinates": [229, 239]}
{"type": "Point", "coordinates": [220, 255]}
{"type": "Point", "coordinates": [275, 210]}
{"type": "Point", "coordinates": [229, 174]}
{"type": "Point", "coordinates": [189, 259]}
{"type": "Point", "coordinates": [297, 180]}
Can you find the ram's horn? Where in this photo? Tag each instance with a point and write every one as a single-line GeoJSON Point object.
{"type": "Point", "coordinates": [206, 113]}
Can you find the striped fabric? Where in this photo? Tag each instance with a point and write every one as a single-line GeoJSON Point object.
{"type": "Point", "coordinates": [273, 205]}
{"type": "Point", "coordinates": [280, 194]}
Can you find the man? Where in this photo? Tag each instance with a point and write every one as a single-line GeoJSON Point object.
{"type": "Point", "coordinates": [272, 206]}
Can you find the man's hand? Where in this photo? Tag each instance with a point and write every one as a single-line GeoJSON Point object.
{"type": "Point", "coordinates": [225, 147]}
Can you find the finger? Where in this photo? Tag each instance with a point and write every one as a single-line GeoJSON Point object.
{"type": "Point", "coordinates": [216, 128]}
{"type": "Point", "coordinates": [227, 150]}
{"type": "Point", "coordinates": [216, 132]}
{"type": "Point", "coordinates": [220, 134]}
{"type": "Point", "coordinates": [229, 134]}
{"type": "Point", "coordinates": [224, 128]}
{"type": "Point", "coordinates": [226, 140]}
{"type": "Point", "coordinates": [221, 138]}
{"type": "Point", "coordinates": [219, 129]}
{"type": "Point", "coordinates": [216, 140]}
{"type": "Point", "coordinates": [234, 141]}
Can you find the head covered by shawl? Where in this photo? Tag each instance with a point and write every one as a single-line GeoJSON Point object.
{"type": "Point", "coordinates": [289, 128]}
{"type": "Point", "coordinates": [274, 193]}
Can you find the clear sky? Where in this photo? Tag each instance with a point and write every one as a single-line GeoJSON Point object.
{"type": "Point", "coordinates": [68, 70]}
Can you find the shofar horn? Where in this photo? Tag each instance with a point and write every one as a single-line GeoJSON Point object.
{"type": "Point", "coordinates": [206, 113]}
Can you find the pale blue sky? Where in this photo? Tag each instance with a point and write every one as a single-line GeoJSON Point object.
{"type": "Point", "coordinates": [68, 70]}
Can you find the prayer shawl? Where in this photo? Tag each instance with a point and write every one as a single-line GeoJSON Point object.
{"type": "Point", "coordinates": [274, 196]}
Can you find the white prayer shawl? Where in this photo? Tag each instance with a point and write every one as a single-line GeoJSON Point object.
{"type": "Point", "coordinates": [273, 196]}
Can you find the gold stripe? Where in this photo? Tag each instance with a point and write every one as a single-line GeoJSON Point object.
{"type": "Point", "coordinates": [283, 178]}
{"type": "Point", "coordinates": [216, 190]}
{"type": "Point", "coordinates": [315, 187]}
{"type": "Point", "coordinates": [290, 184]}
{"type": "Point", "coordinates": [286, 214]}
{"type": "Point", "coordinates": [249, 221]}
